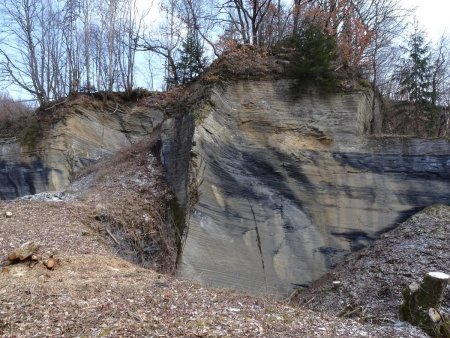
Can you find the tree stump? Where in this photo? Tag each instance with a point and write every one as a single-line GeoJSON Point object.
{"type": "Point", "coordinates": [421, 305]}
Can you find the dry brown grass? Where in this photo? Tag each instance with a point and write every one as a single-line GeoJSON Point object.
{"type": "Point", "coordinates": [244, 62]}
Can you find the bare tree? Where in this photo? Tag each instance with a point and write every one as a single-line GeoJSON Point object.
{"type": "Point", "coordinates": [85, 15]}
{"type": "Point", "coordinates": [441, 84]}
{"type": "Point", "coordinates": [19, 54]}
{"type": "Point", "coordinates": [200, 19]}
{"type": "Point", "coordinates": [166, 41]}
{"type": "Point", "coordinates": [132, 28]}
{"type": "Point", "coordinates": [246, 17]}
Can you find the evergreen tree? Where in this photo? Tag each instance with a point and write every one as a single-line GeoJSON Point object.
{"type": "Point", "coordinates": [192, 62]}
{"type": "Point", "coordinates": [415, 73]}
{"type": "Point", "coordinates": [315, 52]}
{"type": "Point", "coordinates": [417, 82]}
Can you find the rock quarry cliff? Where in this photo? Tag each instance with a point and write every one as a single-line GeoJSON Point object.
{"type": "Point", "coordinates": [289, 181]}
{"type": "Point", "coordinates": [278, 183]}
{"type": "Point", "coordinates": [69, 137]}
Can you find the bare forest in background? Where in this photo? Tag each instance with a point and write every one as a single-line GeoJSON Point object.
{"type": "Point", "coordinates": [53, 48]}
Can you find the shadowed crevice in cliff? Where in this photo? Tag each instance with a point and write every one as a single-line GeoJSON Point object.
{"type": "Point", "coordinates": [20, 179]}
{"type": "Point", "coordinates": [258, 239]}
{"type": "Point", "coordinates": [175, 153]}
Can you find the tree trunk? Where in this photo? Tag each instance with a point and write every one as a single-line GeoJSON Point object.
{"type": "Point", "coordinates": [421, 305]}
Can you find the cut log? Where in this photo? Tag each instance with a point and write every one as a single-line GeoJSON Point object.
{"type": "Point", "coordinates": [24, 252]}
{"type": "Point", "coordinates": [50, 263]}
{"type": "Point", "coordinates": [421, 304]}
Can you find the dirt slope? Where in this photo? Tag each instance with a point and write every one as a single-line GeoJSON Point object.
{"type": "Point", "coordinates": [96, 294]}
{"type": "Point", "coordinates": [372, 279]}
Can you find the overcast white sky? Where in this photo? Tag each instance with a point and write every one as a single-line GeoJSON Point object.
{"type": "Point", "coordinates": [433, 16]}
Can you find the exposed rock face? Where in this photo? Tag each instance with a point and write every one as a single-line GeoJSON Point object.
{"type": "Point", "coordinates": [82, 136]}
{"type": "Point", "coordinates": [21, 173]}
{"type": "Point", "coordinates": [289, 184]}
{"type": "Point", "coordinates": [176, 139]}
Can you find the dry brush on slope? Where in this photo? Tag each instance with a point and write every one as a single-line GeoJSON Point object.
{"type": "Point", "coordinates": [131, 204]}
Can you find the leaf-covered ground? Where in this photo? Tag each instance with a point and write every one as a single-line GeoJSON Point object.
{"type": "Point", "coordinates": [95, 293]}
{"type": "Point", "coordinates": [371, 281]}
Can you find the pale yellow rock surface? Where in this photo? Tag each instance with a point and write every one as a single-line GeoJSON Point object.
{"type": "Point", "coordinates": [84, 134]}
{"type": "Point", "coordinates": [289, 182]}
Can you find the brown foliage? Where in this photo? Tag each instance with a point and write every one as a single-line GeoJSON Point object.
{"type": "Point", "coordinates": [343, 22]}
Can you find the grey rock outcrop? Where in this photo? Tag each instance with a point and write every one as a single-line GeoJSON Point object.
{"type": "Point", "coordinates": [289, 183]}
{"type": "Point", "coordinates": [84, 135]}
{"type": "Point", "coordinates": [176, 143]}
{"type": "Point", "coordinates": [21, 172]}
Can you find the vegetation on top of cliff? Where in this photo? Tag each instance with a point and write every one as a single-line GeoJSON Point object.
{"type": "Point", "coordinates": [313, 55]}
{"type": "Point", "coordinates": [403, 118]}
{"type": "Point", "coordinates": [421, 103]}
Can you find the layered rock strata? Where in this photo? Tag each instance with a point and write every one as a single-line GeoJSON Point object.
{"type": "Point", "coordinates": [288, 183]}
{"type": "Point", "coordinates": [84, 135]}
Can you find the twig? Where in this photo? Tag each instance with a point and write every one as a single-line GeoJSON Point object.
{"type": "Point", "coordinates": [309, 301]}
{"type": "Point", "coordinates": [112, 236]}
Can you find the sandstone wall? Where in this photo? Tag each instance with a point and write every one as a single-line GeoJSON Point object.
{"type": "Point", "coordinates": [21, 172]}
{"type": "Point", "coordinates": [84, 134]}
{"type": "Point", "coordinates": [289, 183]}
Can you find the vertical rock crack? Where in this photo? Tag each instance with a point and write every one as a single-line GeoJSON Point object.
{"type": "Point", "coordinates": [258, 241]}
